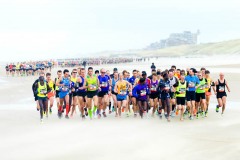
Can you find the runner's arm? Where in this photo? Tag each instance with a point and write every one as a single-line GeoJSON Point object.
{"type": "Point", "coordinates": [227, 87]}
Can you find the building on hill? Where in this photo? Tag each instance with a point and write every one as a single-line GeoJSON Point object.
{"type": "Point", "coordinates": [176, 39]}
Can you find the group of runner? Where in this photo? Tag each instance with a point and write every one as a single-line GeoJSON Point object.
{"type": "Point", "coordinates": [168, 93]}
{"type": "Point", "coordinates": [92, 61]}
{"type": "Point", "coordinates": [28, 68]}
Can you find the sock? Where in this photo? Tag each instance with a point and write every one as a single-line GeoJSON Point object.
{"type": "Point", "coordinates": [67, 109]}
{"type": "Point", "coordinates": [110, 104]}
{"type": "Point", "coordinates": [90, 113]}
{"type": "Point", "coordinates": [173, 107]}
{"type": "Point", "coordinates": [94, 109]}
{"type": "Point", "coordinates": [60, 109]}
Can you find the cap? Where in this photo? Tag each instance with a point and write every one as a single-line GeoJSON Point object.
{"type": "Point", "coordinates": [144, 73]}
{"type": "Point", "coordinates": [115, 69]}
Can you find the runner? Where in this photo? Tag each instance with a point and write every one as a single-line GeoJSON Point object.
{"type": "Point", "coordinates": [220, 91]}
{"type": "Point", "coordinates": [173, 83]}
{"type": "Point", "coordinates": [64, 87]}
{"type": "Point", "coordinates": [59, 75]}
{"type": "Point", "coordinates": [154, 94]}
{"type": "Point", "coordinates": [73, 95]}
{"type": "Point", "coordinates": [181, 96]}
{"type": "Point", "coordinates": [51, 94]}
{"type": "Point", "coordinates": [141, 91]}
{"type": "Point", "coordinates": [92, 85]}
{"type": "Point", "coordinates": [42, 90]}
{"type": "Point", "coordinates": [165, 89]}
{"type": "Point", "coordinates": [82, 93]}
{"type": "Point", "coordinates": [105, 88]}
{"type": "Point", "coordinates": [210, 84]}
{"type": "Point", "coordinates": [114, 94]}
{"type": "Point", "coordinates": [200, 95]}
{"type": "Point", "coordinates": [34, 89]}
{"type": "Point", "coordinates": [121, 88]}
{"type": "Point", "coordinates": [192, 82]}
{"type": "Point", "coordinates": [132, 80]}
{"type": "Point", "coordinates": [7, 70]}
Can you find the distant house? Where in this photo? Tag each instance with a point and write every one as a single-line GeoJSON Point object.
{"type": "Point", "coordinates": [176, 39]}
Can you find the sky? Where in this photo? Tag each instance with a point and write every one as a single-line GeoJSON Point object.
{"type": "Point", "coordinates": [44, 29]}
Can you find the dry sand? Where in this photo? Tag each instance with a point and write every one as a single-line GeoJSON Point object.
{"type": "Point", "coordinates": [23, 137]}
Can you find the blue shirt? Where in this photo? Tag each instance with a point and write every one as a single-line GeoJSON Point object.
{"type": "Point", "coordinates": [141, 92]}
{"type": "Point", "coordinates": [132, 80]}
{"type": "Point", "coordinates": [192, 81]}
{"type": "Point", "coordinates": [104, 84]}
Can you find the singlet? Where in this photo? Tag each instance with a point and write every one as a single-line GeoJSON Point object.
{"type": "Point", "coordinates": [42, 90]}
{"type": "Point", "coordinates": [201, 88]}
{"type": "Point", "coordinates": [51, 85]}
{"type": "Point", "coordinates": [104, 84]}
{"type": "Point", "coordinates": [81, 85]}
{"type": "Point", "coordinates": [66, 86]}
{"type": "Point", "coordinates": [181, 89]}
{"type": "Point", "coordinates": [92, 83]}
{"type": "Point", "coordinates": [153, 86]}
{"type": "Point", "coordinates": [208, 86]}
{"type": "Point", "coordinates": [221, 87]}
{"type": "Point", "coordinates": [114, 83]}
{"type": "Point", "coordinates": [122, 88]}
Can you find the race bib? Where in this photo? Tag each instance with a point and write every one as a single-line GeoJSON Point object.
{"type": "Point", "coordinates": [202, 87]}
{"type": "Point", "coordinates": [92, 87]}
{"type": "Point", "coordinates": [123, 92]}
{"type": "Point", "coordinates": [43, 91]}
{"type": "Point", "coordinates": [143, 93]}
{"type": "Point", "coordinates": [191, 84]}
{"type": "Point", "coordinates": [65, 88]}
{"type": "Point", "coordinates": [104, 84]}
{"type": "Point", "coordinates": [154, 88]}
{"type": "Point", "coordinates": [221, 89]}
{"type": "Point", "coordinates": [182, 90]}
{"type": "Point", "coordinates": [167, 87]}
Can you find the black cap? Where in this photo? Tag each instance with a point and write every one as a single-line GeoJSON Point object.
{"type": "Point", "coordinates": [144, 73]}
{"type": "Point", "coordinates": [115, 69]}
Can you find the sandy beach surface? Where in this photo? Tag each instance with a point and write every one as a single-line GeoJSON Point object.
{"type": "Point", "coordinates": [215, 137]}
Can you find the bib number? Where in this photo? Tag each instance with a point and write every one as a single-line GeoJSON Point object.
{"type": "Point", "coordinates": [143, 93]}
{"type": "Point", "coordinates": [221, 89]}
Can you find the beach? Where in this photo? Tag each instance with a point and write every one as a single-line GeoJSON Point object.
{"type": "Point", "coordinates": [215, 137]}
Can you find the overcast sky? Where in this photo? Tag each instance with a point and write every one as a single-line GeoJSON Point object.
{"type": "Point", "coordinates": [60, 28]}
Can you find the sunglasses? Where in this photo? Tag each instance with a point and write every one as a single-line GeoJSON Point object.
{"type": "Point", "coordinates": [103, 72]}
{"type": "Point", "coordinates": [75, 72]}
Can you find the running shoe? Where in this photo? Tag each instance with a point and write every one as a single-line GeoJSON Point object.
{"type": "Point", "coordinates": [83, 117]}
{"type": "Point", "coordinates": [99, 116]}
{"type": "Point", "coordinates": [206, 113]}
{"type": "Point", "coordinates": [66, 116]}
{"type": "Point", "coordinates": [217, 108]}
{"type": "Point", "coordinates": [135, 115]}
{"type": "Point", "coordinates": [122, 109]}
{"type": "Point", "coordinates": [44, 113]}
{"type": "Point", "coordinates": [203, 114]}
{"type": "Point", "coordinates": [50, 111]}
{"type": "Point", "coordinates": [160, 116]}
{"type": "Point", "coordinates": [197, 115]}
{"type": "Point", "coordinates": [113, 109]}
{"type": "Point", "coordinates": [191, 117]}
{"type": "Point", "coordinates": [104, 114]}
{"type": "Point", "coordinates": [165, 114]}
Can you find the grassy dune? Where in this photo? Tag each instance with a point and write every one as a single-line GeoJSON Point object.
{"type": "Point", "coordinates": [222, 48]}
